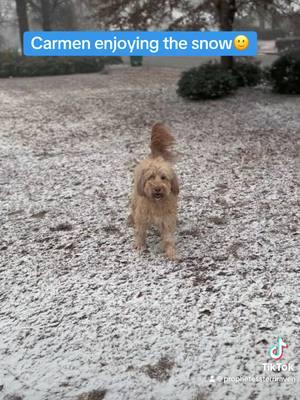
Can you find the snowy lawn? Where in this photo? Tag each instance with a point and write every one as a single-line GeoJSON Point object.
{"type": "Point", "coordinates": [80, 309]}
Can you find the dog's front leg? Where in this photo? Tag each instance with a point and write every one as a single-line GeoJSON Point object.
{"type": "Point", "coordinates": [140, 235]}
{"type": "Point", "coordinates": [168, 242]}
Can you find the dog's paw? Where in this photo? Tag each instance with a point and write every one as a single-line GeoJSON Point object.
{"type": "Point", "coordinates": [171, 254]}
{"type": "Point", "coordinates": [139, 246]}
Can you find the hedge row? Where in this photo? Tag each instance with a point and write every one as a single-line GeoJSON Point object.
{"type": "Point", "coordinates": [284, 74]}
{"type": "Point", "coordinates": [211, 81]}
{"type": "Point", "coordinates": [13, 65]}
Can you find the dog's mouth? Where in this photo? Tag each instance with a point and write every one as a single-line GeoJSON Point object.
{"type": "Point", "coordinates": [157, 196]}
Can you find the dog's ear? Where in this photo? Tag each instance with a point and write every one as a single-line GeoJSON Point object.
{"type": "Point", "coordinates": [140, 185]}
{"type": "Point", "coordinates": [174, 184]}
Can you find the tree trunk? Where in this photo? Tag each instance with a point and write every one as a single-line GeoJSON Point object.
{"type": "Point", "coordinates": [46, 15]}
{"type": "Point", "coordinates": [22, 19]}
{"type": "Point", "coordinates": [262, 12]}
{"type": "Point", "coordinates": [261, 19]}
{"type": "Point", "coordinates": [226, 10]}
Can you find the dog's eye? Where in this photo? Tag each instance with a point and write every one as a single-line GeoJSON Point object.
{"type": "Point", "coordinates": [152, 176]}
{"type": "Point", "coordinates": [163, 177]}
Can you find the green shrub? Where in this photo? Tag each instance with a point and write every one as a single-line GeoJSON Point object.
{"type": "Point", "coordinates": [266, 74]}
{"type": "Point", "coordinates": [83, 65]}
{"type": "Point", "coordinates": [247, 73]}
{"type": "Point", "coordinates": [285, 73]}
{"type": "Point", "coordinates": [13, 64]}
{"type": "Point", "coordinates": [9, 56]}
{"type": "Point", "coordinates": [112, 60]}
{"type": "Point", "coordinates": [42, 67]}
{"type": "Point", "coordinates": [7, 69]}
{"type": "Point", "coordinates": [209, 81]}
{"type": "Point", "coordinates": [136, 61]}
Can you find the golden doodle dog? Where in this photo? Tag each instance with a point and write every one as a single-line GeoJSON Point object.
{"type": "Point", "coordinates": [155, 192]}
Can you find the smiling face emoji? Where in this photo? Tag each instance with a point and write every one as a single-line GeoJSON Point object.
{"type": "Point", "coordinates": [241, 42]}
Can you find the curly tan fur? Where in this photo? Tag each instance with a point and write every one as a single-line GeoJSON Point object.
{"type": "Point", "coordinates": [155, 193]}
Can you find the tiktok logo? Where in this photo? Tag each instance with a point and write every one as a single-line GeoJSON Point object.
{"type": "Point", "coordinates": [276, 351]}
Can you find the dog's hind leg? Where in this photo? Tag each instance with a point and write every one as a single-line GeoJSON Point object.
{"type": "Point", "coordinates": [130, 220]}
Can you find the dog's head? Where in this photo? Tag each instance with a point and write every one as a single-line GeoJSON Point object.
{"type": "Point", "coordinates": [157, 181]}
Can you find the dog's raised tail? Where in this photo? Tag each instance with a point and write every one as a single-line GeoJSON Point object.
{"type": "Point", "coordinates": [162, 142]}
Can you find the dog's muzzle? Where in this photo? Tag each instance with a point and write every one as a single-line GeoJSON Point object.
{"type": "Point", "coordinates": [157, 193]}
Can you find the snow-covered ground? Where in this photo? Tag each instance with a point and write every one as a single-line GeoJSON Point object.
{"type": "Point", "coordinates": [80, 309]}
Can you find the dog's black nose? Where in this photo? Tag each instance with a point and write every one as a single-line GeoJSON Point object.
{"type": "Point", "coordinates": [157, 190]}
